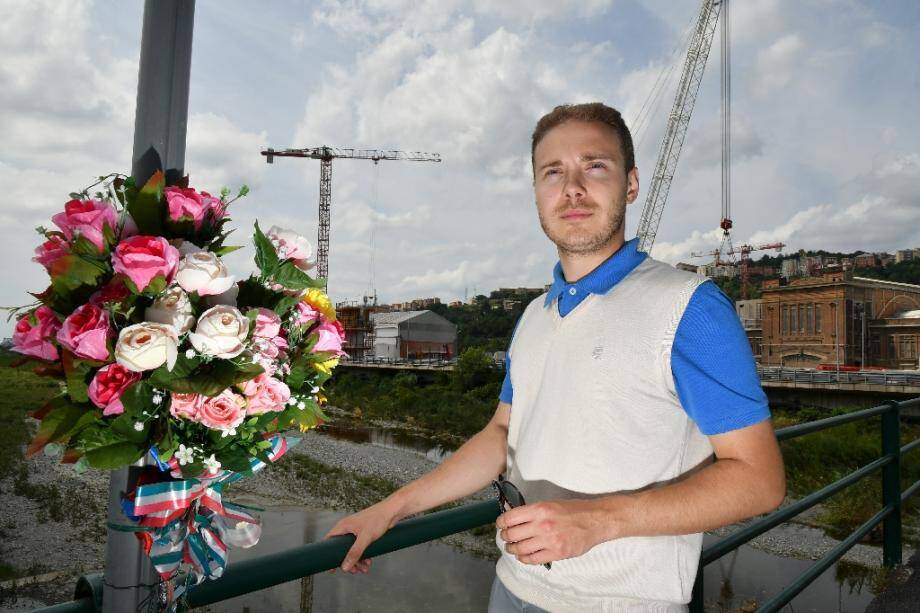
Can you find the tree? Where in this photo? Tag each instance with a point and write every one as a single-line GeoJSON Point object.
{"type": "Point", "coordinates": [473, 369]}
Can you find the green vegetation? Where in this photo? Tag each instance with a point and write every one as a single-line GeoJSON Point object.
{"type": "Point", "coordinates": [486, 324]}
{"type": "Point", "coordinates": [459, 402]}
{"type": "Point", "coordinates": [902, 272]}
{"type": "Point", "coordinates": [818, 459]}
{"type": "Point", "coordinates": [23, 391]}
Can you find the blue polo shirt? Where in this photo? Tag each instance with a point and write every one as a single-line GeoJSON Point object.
{"type": "Point", "coordinates": [711, 360]}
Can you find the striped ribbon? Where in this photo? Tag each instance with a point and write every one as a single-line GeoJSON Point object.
{"type": "Point", "coordinates": [186, 520]}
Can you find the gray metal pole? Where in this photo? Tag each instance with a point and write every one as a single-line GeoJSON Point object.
{"type": "Point", "coordinates": [159, 144]}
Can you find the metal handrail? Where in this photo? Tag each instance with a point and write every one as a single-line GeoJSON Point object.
{"type": "Point", "coordinates": [273, 569]}
{"type": "Point", "coordinates": [892, 497]}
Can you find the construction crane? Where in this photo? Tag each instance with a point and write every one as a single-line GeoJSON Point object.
{"type": "Point", "coordinates": [745, 251]}
{"type": "Point", "coordinates": [678, 121]}
{"type": "Point", "coordinates": [325, 155]}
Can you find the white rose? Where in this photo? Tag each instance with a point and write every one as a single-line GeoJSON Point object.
{"type": "Point", "coordinates": [203, 272]}
{"type": "Point", "coordinates": [185, 247]}
{"type": "Point", "coordinates": [173, 308]}
{"type": "Point", "coordinates": [292, 246]}
{"type": "Point", "coordinates": [147, 346]}
{"type": "Point", "coordinates": [228, 297]}
{"type": "Point", "coordinates": [221, 332]}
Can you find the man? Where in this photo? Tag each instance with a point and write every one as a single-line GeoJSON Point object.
{"type": "Point", "coordinates": [624, 380]}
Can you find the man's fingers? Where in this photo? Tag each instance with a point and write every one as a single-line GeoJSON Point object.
{"type": "Point", "coordinates": [520, 532]}
{"type": "Point", "coordinates": [539, 557]}
{"type": "Point", "coordinates": [338, 530]}
{"type": "Point", "coordinates": [518, 515]}
{"type": "Point", "coordinates": [525, 547]}
{"type": "Point", "coordinates": [354, 554]}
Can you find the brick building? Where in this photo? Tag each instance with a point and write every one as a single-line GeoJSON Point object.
{"type": "Point", "coordinates": [837, 318]}
{"type": "Point", "coordinates": [356, 319]}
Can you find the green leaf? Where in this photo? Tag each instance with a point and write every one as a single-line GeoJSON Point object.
{"type": "Point", "coordinates": [183, 368]}
{"type": "Point", "coordinates": [114, 456]}
{"type": "Point", "coordinates": [300, 368]}
{"type": "Point", "coordinates": [234, 458]}
{"type": "Point", "coordinates": [76, 373]}
{"type": "Point", "coordinates": [60, 423]}
{"type": "Point", "coordinates": [71, 272]}
{"type": "Point", "coordinates": [285, 304]}
{"type": "Point", "coordinates": [266, 256]}
{"type": "Point", "coordinates": [137, 398]}
{"type": "Point", "coordinates": [210, 380]}
{"type": "Point", "coordinates": [123, 425]}
{"type": "Point", "coordinates": [292, 277]}
{"type": "Point", "coordinates": [224, 250]}
{"type": "Point", "coordinates": [243, 191]}
{"type": "Point", "coordinates": [147, 207]}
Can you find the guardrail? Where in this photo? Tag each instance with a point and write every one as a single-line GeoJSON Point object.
{"type": "Point", "coordinates": [889, 515]}
{"type": "Point", "coordinates": [273, 569]}
{"type": "Point", "coordinates": [802, 375]}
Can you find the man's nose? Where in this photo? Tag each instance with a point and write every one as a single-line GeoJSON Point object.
{"type": "Point", "coordinates": [574, 187]}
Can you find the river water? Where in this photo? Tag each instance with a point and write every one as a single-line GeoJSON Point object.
{"type": "Point", "coordinates": [436, 577]}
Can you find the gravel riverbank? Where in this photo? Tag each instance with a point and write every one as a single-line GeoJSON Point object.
{"type": "Point", "coordinates": [54, 519]}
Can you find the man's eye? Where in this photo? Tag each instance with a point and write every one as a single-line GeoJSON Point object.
{"type": "Point", "coordinates": [597, 165]}
{"type": "Point", "coordinates": [552, 171]}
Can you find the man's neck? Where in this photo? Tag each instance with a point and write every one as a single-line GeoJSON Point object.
{"type": "Point", "coordinates": [577, 265]}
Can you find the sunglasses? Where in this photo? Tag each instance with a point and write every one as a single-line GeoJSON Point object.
{"type": "Point", "coordinates": [510, 497]}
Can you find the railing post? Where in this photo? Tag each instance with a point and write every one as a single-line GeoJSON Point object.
{"type": "Point", "coordinates": [891, 484]}
{"type": "Point", "coordinates": [696, 599]}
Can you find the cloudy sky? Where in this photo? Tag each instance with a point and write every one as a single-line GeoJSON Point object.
{"type": "Point", "coordinates": [826, 141]}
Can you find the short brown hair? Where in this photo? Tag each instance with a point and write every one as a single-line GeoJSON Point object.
{"type": "Point", "coordinates": [589, 111]}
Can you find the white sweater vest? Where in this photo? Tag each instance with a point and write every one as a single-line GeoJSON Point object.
{"type": "Point", "coordinates": [595, 412]}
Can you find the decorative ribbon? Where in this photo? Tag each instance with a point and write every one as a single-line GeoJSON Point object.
{"type": "Point", "coordinates": [186, 520]}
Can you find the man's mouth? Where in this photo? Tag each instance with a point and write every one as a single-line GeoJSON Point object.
{"type": "Point", "coordinates": [575, 214]}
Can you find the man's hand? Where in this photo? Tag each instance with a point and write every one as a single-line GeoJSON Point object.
{"type": "Point", "coordinates": [367, 526]}
{"type": "Point", "coordinates": [554, 530]}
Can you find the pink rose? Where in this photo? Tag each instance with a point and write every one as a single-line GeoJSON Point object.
{"type": "Point", "coordinates": [185, 406]}
{"type": "Point", "coordinates": [86, 332]}
{"type": "Point", "coordinates": [87, 218]}
{"type": "Point", "coordinates": [222, 412]}
{"type": "Point", "coordinates": [144, 258]}
{"type": "Point", "coordinates": [267, 324]}
{"type": "Point", "coordinates": [114, 291]}
{"type": "Point", "coordinates": [107, 386]}
{"type": "Point", "coordinates": [330, 339]}
{"type": "Point", "coordinates": [49, 251]}
{"type": "Point", "coordinates": [34, 333]}
{"type": "Point", "coordinates": [305, 314]}
{"type": "Point", "coordinates": [214, 206]}
{"type": "Point", "coordinates": [270, 395]}
{"type": "Point", "coordinates": [185, 205]}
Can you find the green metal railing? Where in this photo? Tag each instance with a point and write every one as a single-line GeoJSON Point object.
{"type": "Point", "coordinates": [251, 575]}
{"type": "Point", "coordinates": [889, 515]}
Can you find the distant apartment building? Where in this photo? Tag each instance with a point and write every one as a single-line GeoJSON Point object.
{"type": "Point", "coordinates": [789, 268]}
{"type": "Point", "coordinates": [416, 304]}
{"type": "Point", "coordinates": [413, 335]}
{"type": "Point", "coordinates": [865, 260]}
{"type": "Point", "coordinates": [903, 255]}
{"type": "Point", "coordinates": [836, 318]}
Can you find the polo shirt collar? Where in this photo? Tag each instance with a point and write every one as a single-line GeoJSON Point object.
{"type": "Point", "coordinates": [600, 280]}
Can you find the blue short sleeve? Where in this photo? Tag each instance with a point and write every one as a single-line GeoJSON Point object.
{"type": "Point", "coordinates": [506, 394]}
{"type": "Point", "coordinates": [713, 367]}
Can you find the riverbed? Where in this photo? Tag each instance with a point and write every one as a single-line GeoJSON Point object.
{"type": "Point", "coordinates": [456, 570]}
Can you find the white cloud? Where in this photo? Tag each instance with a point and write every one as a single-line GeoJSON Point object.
{"type": "Point", "coordinates": [220, 154]}
{"type": "Point", "coordinates": [776, 65]}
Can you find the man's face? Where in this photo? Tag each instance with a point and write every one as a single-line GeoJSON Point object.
{"type": "Point", "coordinates": [581, 187]}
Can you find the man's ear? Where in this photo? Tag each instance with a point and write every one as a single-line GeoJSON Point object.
{"type": "Point", "coordinates": [632, 185]}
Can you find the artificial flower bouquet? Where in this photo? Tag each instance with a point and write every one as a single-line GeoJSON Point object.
{"type": "Point", "coordinates": [163, 352]}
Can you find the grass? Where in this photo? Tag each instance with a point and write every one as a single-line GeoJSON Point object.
{"type": "Point", "coordinates": [818, 459]}
{"type": "Point", "coordinates": [24, 391]}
